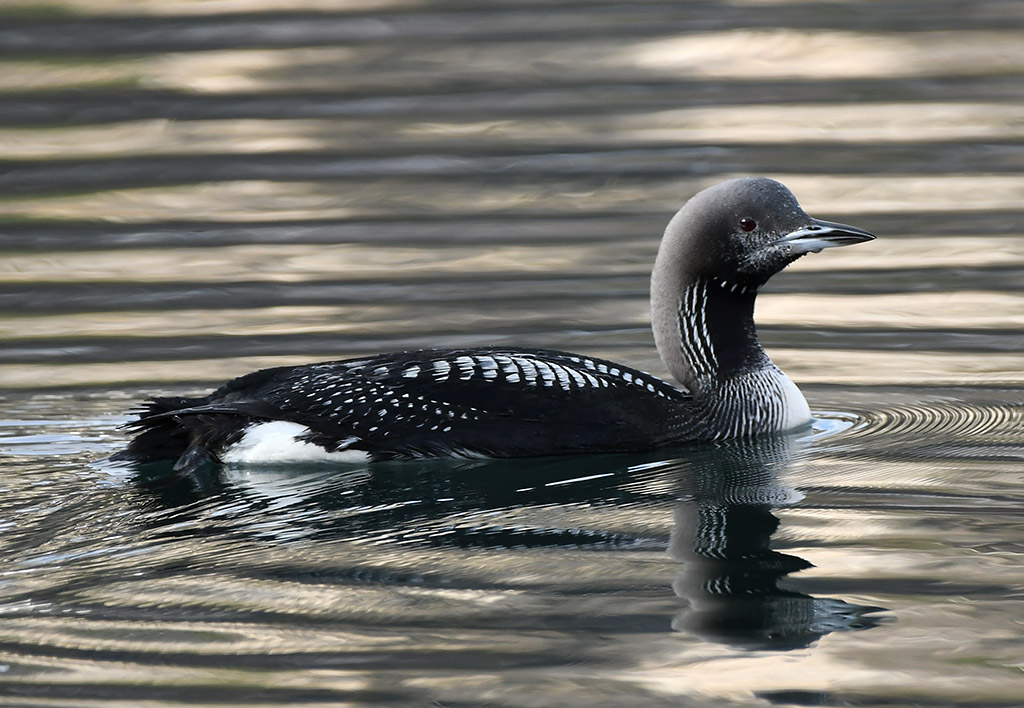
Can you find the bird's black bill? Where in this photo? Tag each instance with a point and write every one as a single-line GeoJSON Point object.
{"type": "Point", "coordinates": [819, 235]}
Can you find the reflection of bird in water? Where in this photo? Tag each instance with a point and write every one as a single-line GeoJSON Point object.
{"type": "Point", "coordinates": [717, 252]}
{"type": "Point", "coordinates": [730, 574]}
{"type": "Point", "coordinates": [721, 497]}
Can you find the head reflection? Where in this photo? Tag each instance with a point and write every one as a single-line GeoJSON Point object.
{"type": "Point", "coordinates": [730, 575]}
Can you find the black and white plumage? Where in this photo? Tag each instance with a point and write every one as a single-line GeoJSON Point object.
{"type": "Point", "coordinates": [717, 252]}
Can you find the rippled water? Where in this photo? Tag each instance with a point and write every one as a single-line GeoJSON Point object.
{"type": "Point", "coordinates": [190, 190]}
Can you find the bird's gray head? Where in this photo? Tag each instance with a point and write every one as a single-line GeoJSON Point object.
{"type": "Point", "coordinates": [721, 247]}
{"type": "Point", "coordinates": [746, 230]}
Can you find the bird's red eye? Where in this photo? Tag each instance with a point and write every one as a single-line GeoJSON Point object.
{"type": "Point", "coordinates": [748, 224]}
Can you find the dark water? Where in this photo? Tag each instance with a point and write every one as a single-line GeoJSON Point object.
{"type": "Point", "coordinates": [190, 190]}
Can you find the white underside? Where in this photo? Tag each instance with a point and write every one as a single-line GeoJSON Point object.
{"type": "Point", "coordinates": [276, 442]}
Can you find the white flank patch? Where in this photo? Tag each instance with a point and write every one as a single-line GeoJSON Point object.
{"type": "Point", "coordinates": [275, 442]}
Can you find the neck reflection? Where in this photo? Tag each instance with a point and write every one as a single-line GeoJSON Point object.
{"type": "Point", "coordinates": [730, 575]}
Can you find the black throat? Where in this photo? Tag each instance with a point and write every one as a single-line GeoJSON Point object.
{"type": "Point", "coordinates": [729, 316]}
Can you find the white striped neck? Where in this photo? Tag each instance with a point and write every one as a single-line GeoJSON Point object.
{"type": "Point", "coordinates": [710, 345]}
{"type": "Point", "coordinates": [712, 338]}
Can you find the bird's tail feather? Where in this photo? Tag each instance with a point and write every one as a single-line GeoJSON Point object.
{"type": "Point", "coordinates": [158, 434]}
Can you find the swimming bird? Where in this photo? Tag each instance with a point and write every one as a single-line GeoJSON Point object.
{"type": "Point", "coordinates": [716, 254]}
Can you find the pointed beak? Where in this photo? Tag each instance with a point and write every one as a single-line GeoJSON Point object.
{"type": "Point", "coordinates": [819, 235]}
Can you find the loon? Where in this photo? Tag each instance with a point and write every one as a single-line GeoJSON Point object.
{"type": "Point", "coordinates": [502, 402]}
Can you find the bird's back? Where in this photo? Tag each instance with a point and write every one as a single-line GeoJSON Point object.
{"type": "Point", "coordinates": [480, 402]}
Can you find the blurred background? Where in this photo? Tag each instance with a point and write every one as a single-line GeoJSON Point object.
{"type": "Point", "coordinates": [191, 189]}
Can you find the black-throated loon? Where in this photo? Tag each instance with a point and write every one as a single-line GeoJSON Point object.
{"type": "Point", "coordinates": [717, 252]}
